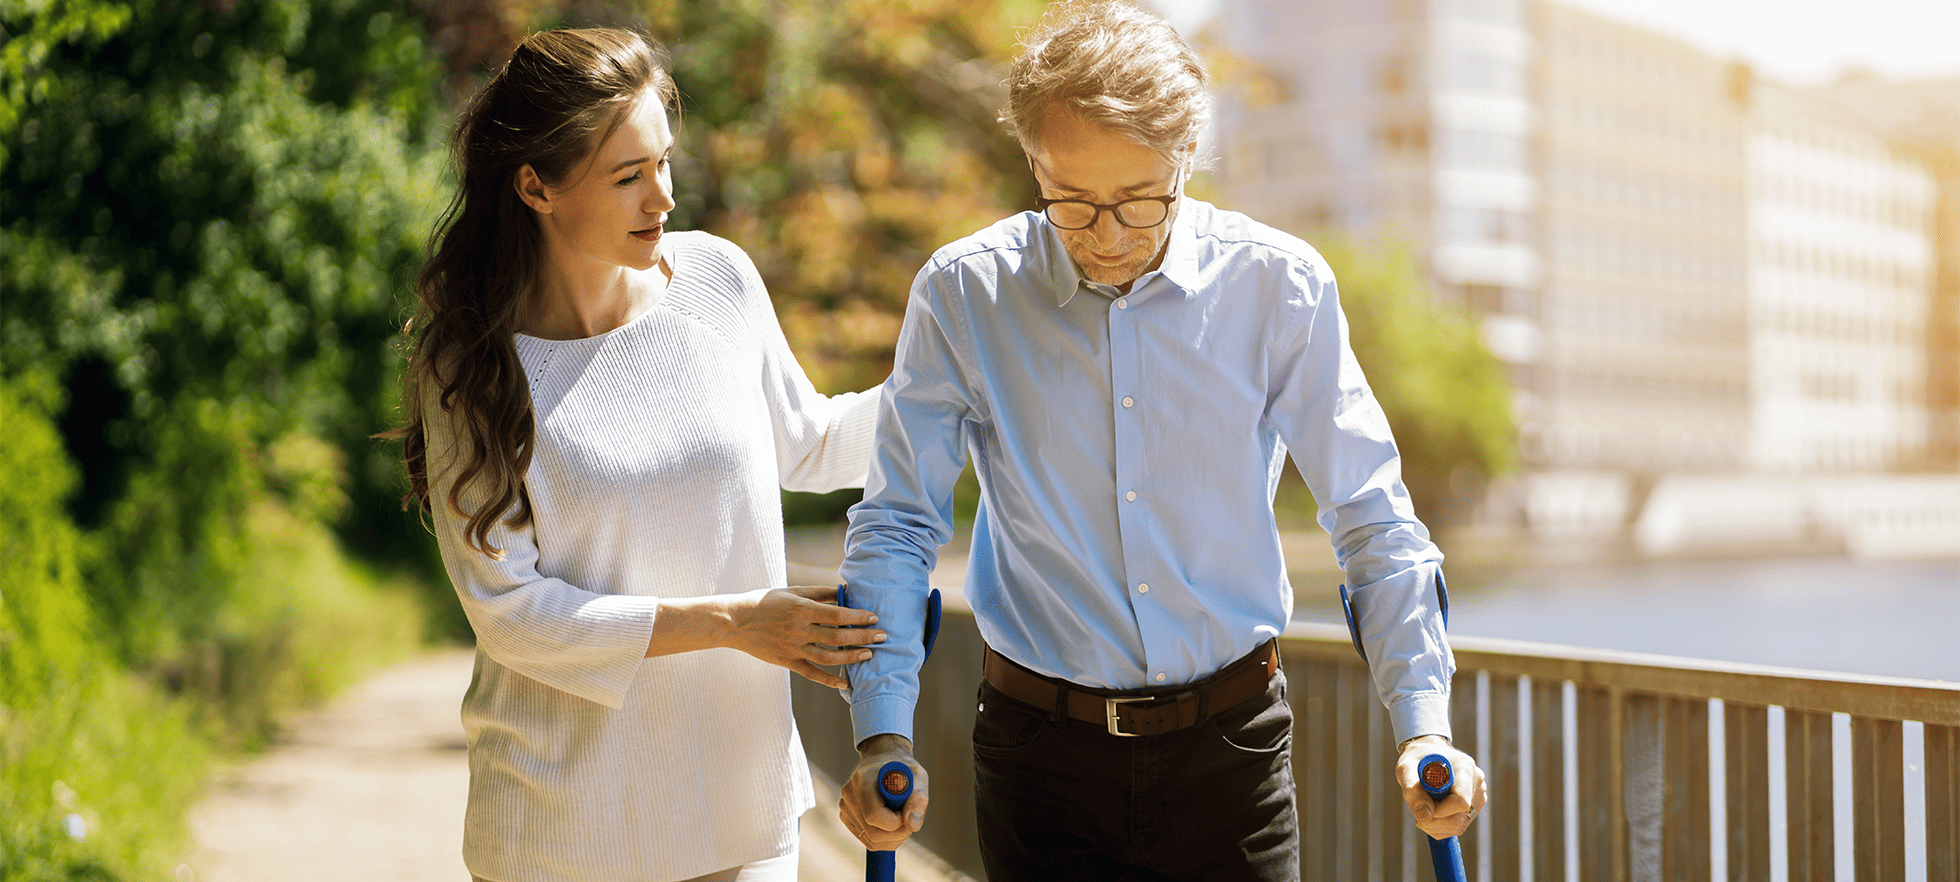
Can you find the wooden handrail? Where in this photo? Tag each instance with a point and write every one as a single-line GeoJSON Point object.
{"type": "Point", "coordinates": [1889, 698]}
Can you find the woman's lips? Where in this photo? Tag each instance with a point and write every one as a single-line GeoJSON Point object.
{"type": "Point", "coordinates": [651, 234]}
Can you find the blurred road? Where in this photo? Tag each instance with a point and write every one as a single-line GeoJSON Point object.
{"type": "Point", "coordinates": [372, 788]}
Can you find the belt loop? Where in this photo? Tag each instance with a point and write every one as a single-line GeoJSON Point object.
{"type": "Point", "coordinates": [1059, 713]}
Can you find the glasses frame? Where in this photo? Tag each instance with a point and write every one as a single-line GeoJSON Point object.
{"type": "Point", "coordinates": [1042, 203]}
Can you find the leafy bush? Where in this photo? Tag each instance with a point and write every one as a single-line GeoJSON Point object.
{"type": "Point", "coordinates": [96, 769]}
{"type": "Point", "coordinates": [209, 213]}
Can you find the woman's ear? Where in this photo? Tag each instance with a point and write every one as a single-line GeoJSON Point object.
{"type": "Point", "coordinates": [532, 190]}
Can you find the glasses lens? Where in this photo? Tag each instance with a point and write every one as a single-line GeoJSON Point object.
{"type": "Point", "coordinates": [1142, 212]}
{"type": "Point", "coordinates": [1071, 215]}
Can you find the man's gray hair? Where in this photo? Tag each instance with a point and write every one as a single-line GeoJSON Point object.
{"type": "Point", "coordinates": [1115, 65]}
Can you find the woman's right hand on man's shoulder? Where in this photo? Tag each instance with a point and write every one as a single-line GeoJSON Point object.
{"type": "Point", "coordinates": [797, 628]}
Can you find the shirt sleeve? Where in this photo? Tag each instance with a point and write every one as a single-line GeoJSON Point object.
{"type": "Point", "coordinates": [1342, 446]}
{"type": "Point", "coordinates": [924, 416]}
{"type": "Point", "coordinates": [584, 643]}
{"type": "Point", "coordinates": [823, 442]}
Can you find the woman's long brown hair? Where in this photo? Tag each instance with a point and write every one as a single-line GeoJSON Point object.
{"type": "Point", "coordinates": [559, 97]}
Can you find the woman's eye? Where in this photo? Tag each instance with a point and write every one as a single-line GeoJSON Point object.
{"type": "Point", "coordinates": [630, 179]}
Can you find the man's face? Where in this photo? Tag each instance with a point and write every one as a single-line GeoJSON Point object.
{"type": "Point", "coordinates": [1075, 159]}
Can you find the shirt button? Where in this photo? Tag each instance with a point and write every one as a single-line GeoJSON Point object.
{"type": "Point", "coordinates": [1123, 303]}
{"type": "Point", "coordinates": [1160, 677]}
{"type": "Point", "coordinates": [1128, 401]}
{"type": "Point", "coordinates": [1131, 496]}
{"type": "Point", "coordinates": [1143, 588]}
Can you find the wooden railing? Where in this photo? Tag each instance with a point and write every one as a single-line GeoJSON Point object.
{"type": "Point", "coordinates": [1602, 765]}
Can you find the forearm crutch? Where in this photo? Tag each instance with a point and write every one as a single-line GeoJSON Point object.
{"type": "Point", "coordinates": [895, 778]}
{"type": "Point", "coordinates": [1434, 771]}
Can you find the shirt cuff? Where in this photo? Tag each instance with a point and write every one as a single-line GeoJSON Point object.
{"type": "Point", "coordinates": [881, 715]}
{"type": "Point", "coordinates": [1420, 715]}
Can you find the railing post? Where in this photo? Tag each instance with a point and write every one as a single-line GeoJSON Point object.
{"type": "Point", "coordinates": [1386, 828]}
{"type": "Point", "coordinates": [1807, 752]}
{"type": "Point", "coordinates": [1684, 828]}
{"type": "Point", "coordinates": [1314, 764]}
{"type": "Point", "coordinates": [1644, 793]}
{"type": "Point", "coordinates": [1504, 763]}
{"type": "Point", "coordinates": [1942, 802]}
{"type": "Point", "coordinates": [1547, 780]}
{"type": "Point", "coordinates": [1878, 798]}
{"type": "Point", "coordinates": [1745, 734]}
{"type": "Point", "coordinates": [1355, 776]}
{"type": "Point", "coordinates": [1602, 814]}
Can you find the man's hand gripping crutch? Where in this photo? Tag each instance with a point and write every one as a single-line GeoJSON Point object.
{"type": "Point", "coordinates": [1443, 786]}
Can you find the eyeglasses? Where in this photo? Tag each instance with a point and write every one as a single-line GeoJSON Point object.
{"type": "Point", "coordinates": [1140, 213]}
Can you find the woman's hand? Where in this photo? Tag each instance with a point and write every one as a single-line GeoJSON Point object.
{"type": "Point", "coordinates": [800, 628]}
{"type": "Point", "coordinates": [796, 628]}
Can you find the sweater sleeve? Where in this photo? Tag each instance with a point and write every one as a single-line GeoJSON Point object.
{"type": "Point", "coordinates": [581, 642]}
{"type": "Point", "coordinates": [823, 442]}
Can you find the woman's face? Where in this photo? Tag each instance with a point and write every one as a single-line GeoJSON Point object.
{"type": "Point", "coordinates": [611, 209]}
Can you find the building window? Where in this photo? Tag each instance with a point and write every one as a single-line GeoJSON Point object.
{"type": "Point", "coordinates": [1480, 74]}
{"type": "Point", "coordinates": [1483, 151]}
{"type": "Point", "coordinates": [1484, 226]}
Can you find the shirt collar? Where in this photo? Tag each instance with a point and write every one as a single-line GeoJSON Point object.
{"type": "Point", "coordinates": [1180, 265]}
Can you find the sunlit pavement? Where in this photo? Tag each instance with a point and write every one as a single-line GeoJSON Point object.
{"type": "Point", "coordinates": [372, 788]}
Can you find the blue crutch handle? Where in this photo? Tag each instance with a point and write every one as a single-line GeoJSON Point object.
{"type": "Point", "coordinates": [1444, 854]}
{"type": "Point", "coordinates": [894, 787]}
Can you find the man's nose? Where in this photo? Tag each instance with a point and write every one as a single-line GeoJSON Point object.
{"type": "Point", "coordinates": [1106, 231]}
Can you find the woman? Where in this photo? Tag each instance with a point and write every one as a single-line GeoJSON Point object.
{"type": "Point", "coordinates": [600, 414]}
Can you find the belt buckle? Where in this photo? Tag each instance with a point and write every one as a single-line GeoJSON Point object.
{"type": "Point", "coordinates": [1110, 703]}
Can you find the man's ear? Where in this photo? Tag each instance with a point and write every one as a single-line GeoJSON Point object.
{"type": "Point", "coordinates": [532, 190]}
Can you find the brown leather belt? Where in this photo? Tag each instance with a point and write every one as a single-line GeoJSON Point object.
{"type": "Point", "coordinates": [1138, 712]}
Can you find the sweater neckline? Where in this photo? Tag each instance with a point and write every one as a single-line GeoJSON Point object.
{"type": "Point", "coordinates": [674, 261]}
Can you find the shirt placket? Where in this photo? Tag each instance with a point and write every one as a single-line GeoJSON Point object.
{"type": "Point", "coordinates": [1132, 399]}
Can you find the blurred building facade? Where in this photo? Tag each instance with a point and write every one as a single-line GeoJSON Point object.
{"type": "Point", "coordinates": [1922, 118]}
{"type": "Point", "coordinates": [1840, 290]}
{"type": "Point", "coordinates": [1640, 149]}
{"type": "Point", "coordinates": [1690, 270]}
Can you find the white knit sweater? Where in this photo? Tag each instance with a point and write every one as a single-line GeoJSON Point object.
{"type": "Point", "coordinates": [660, 447]}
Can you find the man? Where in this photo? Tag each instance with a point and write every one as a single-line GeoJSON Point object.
{"type": "Point", "coordinates": [1128, 368]}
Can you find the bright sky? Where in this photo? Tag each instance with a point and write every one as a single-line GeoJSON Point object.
{"type": "Point", "coordinates": [1809, 41]}
{"type": "Point", "coordinates": [1799, 41]}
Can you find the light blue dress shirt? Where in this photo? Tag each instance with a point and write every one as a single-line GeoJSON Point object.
{"type": "Point", "coordinates": [1127, 448]}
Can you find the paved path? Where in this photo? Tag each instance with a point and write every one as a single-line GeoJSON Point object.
{"type": "Point", "coordinates": [372, 788]}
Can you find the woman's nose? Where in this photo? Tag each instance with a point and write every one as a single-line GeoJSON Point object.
{"type": "Point", "coordinates": [661, 199]}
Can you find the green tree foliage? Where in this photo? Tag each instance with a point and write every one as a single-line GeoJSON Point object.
{"type": "Point", "coordinates": [208, 215]}
{"type": "Point", "coordinates": [211, 211]}
{"type": "Point", "coordinates": [95, 769]}
{"type": "Point", "coordinates": [1447, 397]}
